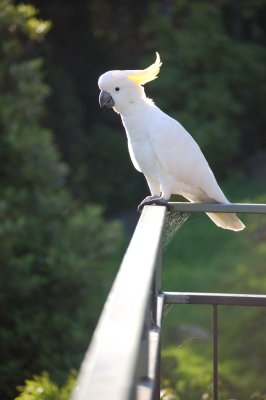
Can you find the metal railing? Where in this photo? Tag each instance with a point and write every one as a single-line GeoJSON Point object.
{"type": "Point", "coordinates": [123, 360]}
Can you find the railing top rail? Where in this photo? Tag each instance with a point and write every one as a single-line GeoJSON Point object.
{"type": "Point", "coordinates": [217, 207]}
{"type": "Point", "coordinates": [109, 367]}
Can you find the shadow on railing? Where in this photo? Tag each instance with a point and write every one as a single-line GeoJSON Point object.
{"type": "Point", "coordinates": [123, 360]}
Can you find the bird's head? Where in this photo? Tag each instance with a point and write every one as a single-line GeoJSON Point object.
{"type": "Point", "coordinates": [119, 89]}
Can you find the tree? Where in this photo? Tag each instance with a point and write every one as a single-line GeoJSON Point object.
{"type": "Point", "coordinates": [210, 75]}
{"type": "Point", "coordinates": [83, 43]}
{"type": "Point", "coordinates": [213, 81]}
{"type": "Point", "coordinates": [53, 249]}
{"type": "Point", "coordinates": [42, 388]}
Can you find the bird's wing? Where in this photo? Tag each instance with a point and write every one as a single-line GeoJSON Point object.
{"type": "Point", "coordinates": [133, 158]}
{"type": "Point", "coordinates": [180, 156]}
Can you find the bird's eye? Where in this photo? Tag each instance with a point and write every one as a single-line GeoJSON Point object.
{"type": "Point", "coordinates": [117, 89]}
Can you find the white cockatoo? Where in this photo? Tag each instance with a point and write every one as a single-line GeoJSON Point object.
{"type": "Point", "coordinates": [160, 147]}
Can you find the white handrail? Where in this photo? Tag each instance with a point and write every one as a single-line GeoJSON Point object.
{"type": "Point", "coordinates": [109, 370]}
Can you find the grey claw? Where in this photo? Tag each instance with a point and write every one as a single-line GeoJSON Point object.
{"type": "Point", "coordinates": [158, 201]}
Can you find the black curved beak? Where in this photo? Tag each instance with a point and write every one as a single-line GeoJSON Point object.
{"type": "Point", "coordinates": [106, 100]}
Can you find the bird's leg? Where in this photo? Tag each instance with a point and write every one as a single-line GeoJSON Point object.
{"type": "Point", "coordinates": [155, 200]}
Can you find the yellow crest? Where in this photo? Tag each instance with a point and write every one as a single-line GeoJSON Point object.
{"type": "Point", "coordinates": [143, 76]}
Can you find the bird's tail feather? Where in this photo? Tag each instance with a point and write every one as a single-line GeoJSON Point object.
{"type": "Point", "coordinates": [227, 221]}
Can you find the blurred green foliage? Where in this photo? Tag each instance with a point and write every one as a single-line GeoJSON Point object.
{"type": "Point", "coordinates": [213, 80]}
{"type": "Point", "coordinates": [53, 248]}
{"type": "Point", "coordinates": [207, 75]}
{"type": "Point", "coordinates": [42, 388]}
{"type": "Point", "coordinates": [58, 151]}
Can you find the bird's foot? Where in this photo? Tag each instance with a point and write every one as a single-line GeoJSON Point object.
{"type": "Point", "coordinates": [154, 200]}
{"type": "Point", "coordinates": [147, 201]}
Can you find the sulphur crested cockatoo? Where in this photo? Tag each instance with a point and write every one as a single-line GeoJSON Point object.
{"type": "Point", "coordinates": [160, 147]}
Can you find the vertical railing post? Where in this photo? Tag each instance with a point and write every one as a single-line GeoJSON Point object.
{"type": "Point", "coordinates": [157, 287]}
{"type": "Point", "coordinates": [215, 350]}
{"type": "Point", "coordinates": [157, 319]}
{"type": "Point", "coordinates": [144, 346]}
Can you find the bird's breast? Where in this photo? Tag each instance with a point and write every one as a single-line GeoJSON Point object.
{"type": "Point", "coordinates": [140, 146]}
